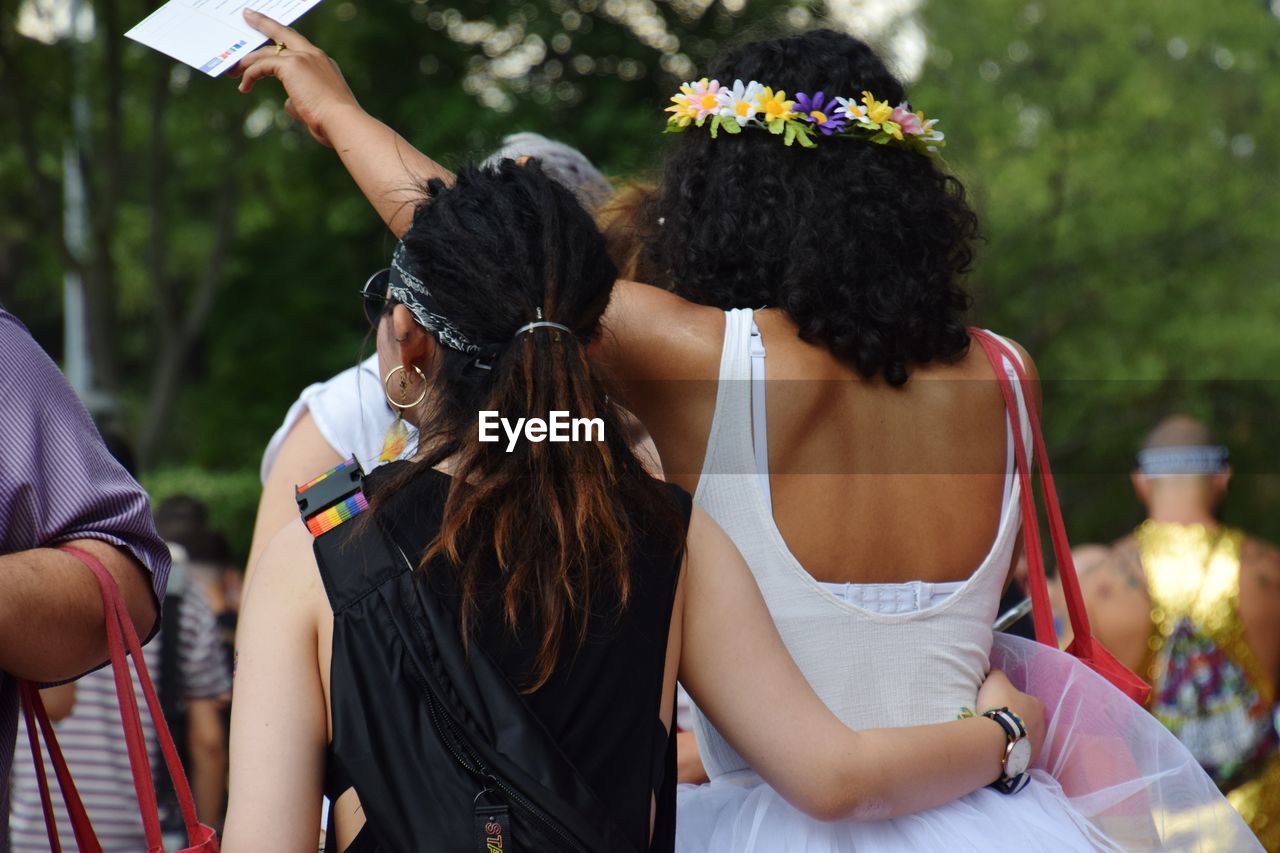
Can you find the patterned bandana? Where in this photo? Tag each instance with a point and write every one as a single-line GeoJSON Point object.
{"type": "Point", "coordinates": [407, 289]}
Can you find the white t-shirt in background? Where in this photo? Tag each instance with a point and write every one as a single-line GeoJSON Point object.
{"type": "Point", "coordinates": [351, 412]}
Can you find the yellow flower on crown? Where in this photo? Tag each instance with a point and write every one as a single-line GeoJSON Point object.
{"type": "Point", "coordinates": [774, 105]}
{"type": "Point", "coordinates": [878, 111]}
{"type": "Point", "coordinates": [751, 105]}
{"type": "Point", "coordinates": [684, 106]}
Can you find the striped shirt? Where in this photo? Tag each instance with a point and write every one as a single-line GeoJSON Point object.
{"type": "Point", "coordinates": [57, 483]}
{"type": "Point", "coordinates": [92, 741]}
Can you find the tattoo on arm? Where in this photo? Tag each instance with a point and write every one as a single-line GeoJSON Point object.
{"type": "Point", "coordinates": [1264, 560]}
{"type": "Point", "coordinates": [1128, 565]}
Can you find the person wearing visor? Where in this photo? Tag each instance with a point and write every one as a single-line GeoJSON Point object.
{"type": "Point", "coordinates": [1193, 606]}
{"type": "Point", "coordinates": [352, 413]}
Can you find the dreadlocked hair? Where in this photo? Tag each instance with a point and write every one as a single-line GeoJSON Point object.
{"type": "Point", "coordinates": [500, 248]}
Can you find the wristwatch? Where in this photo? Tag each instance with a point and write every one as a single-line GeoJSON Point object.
{"type": "Point", "coordinates": [1017, 752]}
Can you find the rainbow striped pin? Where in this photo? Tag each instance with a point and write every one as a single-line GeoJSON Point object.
{"type": "Point", "coordinates": [333, 498]}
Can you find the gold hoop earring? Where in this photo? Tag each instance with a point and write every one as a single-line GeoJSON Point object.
{"type": "Point", "coordinates": [404, 384]}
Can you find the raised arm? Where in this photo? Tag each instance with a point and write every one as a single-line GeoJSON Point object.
{"type": "Point", "coordinates": [737, 669]}
{"type": "Point", "coordinates": [388, 170]}
{"type": "Point", "coordinates": [651, 333]}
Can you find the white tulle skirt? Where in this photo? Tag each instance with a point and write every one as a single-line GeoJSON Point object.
{"type": "Point", "coordinates": [1109, 778]}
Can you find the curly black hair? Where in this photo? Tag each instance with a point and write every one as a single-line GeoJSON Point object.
{"type": "Point", "coordinates": [862, 245]}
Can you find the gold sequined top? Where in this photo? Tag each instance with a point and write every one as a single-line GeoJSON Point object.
{"type": "Point", "coordinates": [1193, 573]}
{"type": "Point", "coordinates": [1193, 577]}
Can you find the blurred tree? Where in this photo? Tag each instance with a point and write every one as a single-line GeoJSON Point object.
{"type": "Point", "coordinates": [1124, 159]}
{"type": "Point", "coordinates": [198, 196]}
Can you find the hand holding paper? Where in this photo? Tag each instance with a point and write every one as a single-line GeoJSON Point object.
{"type": "Point", "coordinates": [212, 35]}
{"type": "Point", "coordinates": [313, 82]}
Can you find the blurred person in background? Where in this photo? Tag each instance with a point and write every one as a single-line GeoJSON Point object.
{"type": "Point", "coordinates": [184, 520]}
{"type": "Point", "coordinates": [192, 679]}
{"type": "Point", "coordinates": [348, 414]}
{"type": "Point", "coordinates": [213, 569]}
{"type": "Point", "coordinates": [1193, 606]}
{"type": "Point", "coordinates": [59, 485]}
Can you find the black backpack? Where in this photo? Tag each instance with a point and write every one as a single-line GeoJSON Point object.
{"type": "Point", "coordinates": [480, 771]}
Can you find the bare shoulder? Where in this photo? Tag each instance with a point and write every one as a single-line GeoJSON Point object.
{"type": "Point", "coordinates": [302, 455]}
{"type": "Point", "coordinates": [1261, 561]}
{"type": "Point", "coordinates": [1261, 553]}
{"type": "Point", "coordinates": [287, 580]}
{"type": "Point", "coordinates": [1114, 570]}
{"type": "Point", "coordinates": [1028, 363]}
{"type": "Point", "coordinates": [649, 333]}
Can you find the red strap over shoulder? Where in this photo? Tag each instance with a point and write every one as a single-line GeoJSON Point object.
{"type": "Point", "coordinates": [1083, 645]}
{"type": "Point", "coordinates": [122, 643]}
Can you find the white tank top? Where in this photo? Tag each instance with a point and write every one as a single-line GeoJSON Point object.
{"type": "Point", "coordinates": [878, 655]}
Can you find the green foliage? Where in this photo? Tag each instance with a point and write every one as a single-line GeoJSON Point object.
{"type": "Point", "coordinates": [1123, 159]}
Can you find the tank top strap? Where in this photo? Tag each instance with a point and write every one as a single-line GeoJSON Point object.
{"type": "Point", "coordinates": [759, 414]}
{"type": "Point", "coordinates": [730, 441]}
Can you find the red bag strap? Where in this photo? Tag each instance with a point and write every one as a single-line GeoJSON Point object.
{"type": "Point", "coordinates": [1000, 355]}
{"type": "Point", "coordinates": [1083, 645]}
{"type": "Point", "coordinates": [39, 727]}
{"type": "Point", "coordinates": [122, 638]}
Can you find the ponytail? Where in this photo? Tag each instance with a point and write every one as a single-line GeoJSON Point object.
{"type": "Point", "coordinates": [517, 266]}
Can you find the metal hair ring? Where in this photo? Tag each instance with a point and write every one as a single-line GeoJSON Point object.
{"type": "Point", "coordinates": [528, 327]}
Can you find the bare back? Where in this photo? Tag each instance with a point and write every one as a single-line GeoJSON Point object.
{"type": "Point", "coordinates": [921, 468]}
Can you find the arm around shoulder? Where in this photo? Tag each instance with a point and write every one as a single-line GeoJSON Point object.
{"type": "Point", "coordinates": [737, 669]}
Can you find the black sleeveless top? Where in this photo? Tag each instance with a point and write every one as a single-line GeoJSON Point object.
{"type": "Point", "coordinates": [601, 704]}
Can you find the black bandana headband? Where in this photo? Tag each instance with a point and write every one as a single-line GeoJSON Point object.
{"type": "Point", "coordinates": [407, 289]}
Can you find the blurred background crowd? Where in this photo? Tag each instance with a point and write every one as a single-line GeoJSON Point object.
{"type": "Point", "coordinates": [192, 259]}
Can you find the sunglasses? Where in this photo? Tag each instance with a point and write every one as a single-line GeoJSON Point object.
{"type": "Point", "coordinates": [374, 297]}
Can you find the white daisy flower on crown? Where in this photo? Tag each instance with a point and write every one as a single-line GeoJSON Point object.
{"type": "Point", "coordinates": [852, 110]}
{"type": "Point", "coordinates": [739, 101]}
{"type": "Point", "coordinates": [928, 134]}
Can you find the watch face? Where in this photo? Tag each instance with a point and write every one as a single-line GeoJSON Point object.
{"type": "Point", "coordinates": [1019, 758]}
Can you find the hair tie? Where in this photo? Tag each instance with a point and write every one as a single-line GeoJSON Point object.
{"type": "Point", "coordinates": [537, 324]}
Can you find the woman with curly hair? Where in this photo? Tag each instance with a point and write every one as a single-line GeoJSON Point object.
{"type": "Point", "coordinates": [870, 486]}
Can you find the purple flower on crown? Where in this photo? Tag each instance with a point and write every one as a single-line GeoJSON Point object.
{"type": "Point", "coordinates": [817, 111]}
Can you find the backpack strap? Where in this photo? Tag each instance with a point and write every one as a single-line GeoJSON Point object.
{"type": "Point", "coordinates": [348, 569]}
{"type": "Point", "coordinates": [333, 498]}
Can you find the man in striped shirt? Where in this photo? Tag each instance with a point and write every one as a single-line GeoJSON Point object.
{"type": "Point", "coordinates": [59, 485]}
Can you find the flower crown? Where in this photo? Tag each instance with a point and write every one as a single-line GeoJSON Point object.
{"type": "Point", "coordinates": [707, 103]}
